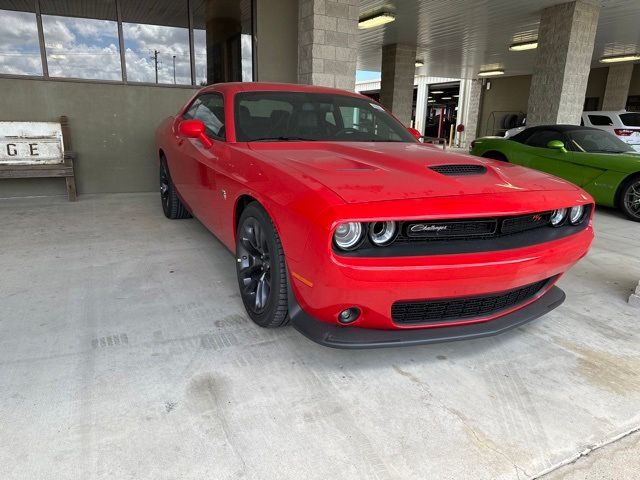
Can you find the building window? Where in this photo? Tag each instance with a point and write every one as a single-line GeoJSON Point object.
{"type": "Point", "coordinates": [19, 46]}
{"type": "Point", "coordinates": [157, 43]}
{"type": "Point", "coordinates": [227, 55]}
{"type": "Point", "coordinates": [78, 46]}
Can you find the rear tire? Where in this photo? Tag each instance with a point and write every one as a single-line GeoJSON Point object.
{"type": "Point", "coordinates": [171, 204]}
{"type": "Point", "coordinates": [495, 156]}
{"type": "Point", "coordinates": [629, 201]}
{"type": "Point", "coordinates": [261, 269]}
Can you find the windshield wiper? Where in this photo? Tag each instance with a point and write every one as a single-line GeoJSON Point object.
{"type": "Point", "coordinates": [283, 139]}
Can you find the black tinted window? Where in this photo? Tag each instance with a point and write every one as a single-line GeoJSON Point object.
{"type": "Point", "coordinates": [542, 137]}
{"type": "Point", "coordinates": [209, 109]}
{"type": "Point", "coordinates": [630, 119]}
{"type": "Point", "coordinates": [282, 116]}
{"type": "Point", "coordinates": [600, 120]}
{"type": "Point", "coordinates": [591, 140]}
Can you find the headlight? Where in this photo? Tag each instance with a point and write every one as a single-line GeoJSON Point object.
{"type": "Point", "coordinates": [348, 235]}
{"type": "Point", "coordinates": [382, 233]}
{"type": "Point", "coordinates": [558, 217]}
{"type": "Point", "coordinates": [576, 215]}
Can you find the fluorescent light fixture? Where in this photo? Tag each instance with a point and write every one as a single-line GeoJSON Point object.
{"type": "Point", "coordinates": [520, 46]}
{"type": "Point", "coordinates": [431, 101]}
{"type": "Point", "coordinates": [455, 96]}
{"type": "Point", "coordinates": [436, 92]}
{"type": "Point", "coordinates": [419, 63]}
{"type": "Point", "coordinates": [491, 73]}
{"type": "Point", "coordinates": [628, 57]}
{"type": "Point", "coordinates": [445, 98]}
{"type": "Point", "coordinates": [376, 20]}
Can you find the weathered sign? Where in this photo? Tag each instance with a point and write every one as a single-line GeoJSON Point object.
{"type": "Point", "coordinates": [31, 143]}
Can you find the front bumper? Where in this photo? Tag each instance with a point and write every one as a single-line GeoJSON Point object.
{"type": "Point", "coordinates": [336, 336]}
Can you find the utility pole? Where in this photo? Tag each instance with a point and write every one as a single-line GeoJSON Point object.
{"type": "Point", "coordinates": [174, 69]}
{"type": "Point", "coordinates": [155, 61]}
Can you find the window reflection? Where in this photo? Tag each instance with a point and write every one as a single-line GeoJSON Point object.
{"type": "Point", "coordinates": [82, 47]}
{"type": "Point", "coordinates": [19, 46]}
{"type": "Point", "coordinates": [157, 54]}
{"type": "Point", "coordinates": [228, 40]}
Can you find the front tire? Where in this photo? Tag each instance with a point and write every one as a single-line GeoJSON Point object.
{"type": "Point", "coordinates": [261, 269]}
{"type": "Point", "coordinates": [171, 204]}
{"type": "Point", "coordinates": [630, 199]}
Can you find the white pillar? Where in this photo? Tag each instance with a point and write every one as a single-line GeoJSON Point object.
{"type": "Point", "coordinates": [617, 90]}
{"type": "Point", "coordinates": [565, 46]}
{"type": "Point", "coordinates": [469, 110]}
{"type": "Point", "coordinates": [421, 103]}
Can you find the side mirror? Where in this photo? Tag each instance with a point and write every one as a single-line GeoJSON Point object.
{"type": "Point", "coordinates": [556, 145]}
{"type": "Point", "coordinates": [416, 134]}
{"type": "Point", "coordinates": [195, 129]}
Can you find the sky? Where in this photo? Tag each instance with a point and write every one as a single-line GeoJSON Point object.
{"type": "Point", "coordinates": [362, 75]}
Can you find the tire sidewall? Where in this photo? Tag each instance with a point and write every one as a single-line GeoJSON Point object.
{"type": "Point", "coordinates": [623, 195]}
{"type": "Point", "coordinates": [264, 318]}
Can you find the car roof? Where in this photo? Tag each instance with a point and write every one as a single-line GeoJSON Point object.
{"type": "Point", "coordinates": [236, 87]}
{"type": "Point", "coordinates": [605, 112]}
{"type": "Point", "coordinates": [559, 128]}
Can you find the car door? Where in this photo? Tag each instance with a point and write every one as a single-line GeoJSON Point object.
{"type": "Point", "coordinates": [201, 163]}
{"type": "Point", "coordinates": [558, 162]}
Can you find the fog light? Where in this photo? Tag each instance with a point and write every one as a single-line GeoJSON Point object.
{"type": "Point", "coordinates": [349, 315]}
{"type": "Point", "coordinates": [558, 217]}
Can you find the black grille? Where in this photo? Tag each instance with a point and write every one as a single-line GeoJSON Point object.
{"type": "Point", "coordinates": [448, 229]}
{"type": "Point", "coordinates": [525, 222]}
{"type": "Point", "coordinates": [451, 309]}
{"type": "Point", "coordinates": [459, 170]}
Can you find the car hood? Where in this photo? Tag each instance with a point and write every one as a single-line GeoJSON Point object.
{"type": "Point", "coordinates": [373, 171]}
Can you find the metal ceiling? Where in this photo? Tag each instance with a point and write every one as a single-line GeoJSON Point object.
{"type": "Point", "coordinates": [458, 38]}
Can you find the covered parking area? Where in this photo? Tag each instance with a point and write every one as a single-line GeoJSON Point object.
{"type": "Point", "coordinates": [125, 350]}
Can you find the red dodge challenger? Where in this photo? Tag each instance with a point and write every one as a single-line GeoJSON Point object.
{"type": "Point", "coordinates": [348, 227]}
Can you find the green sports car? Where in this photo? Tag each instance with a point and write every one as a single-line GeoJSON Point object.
{"type": "Point", "coordinates": [596, 160]}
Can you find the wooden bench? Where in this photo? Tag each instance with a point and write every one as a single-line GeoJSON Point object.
{"type": "Point", "coordinates": [62, 167]}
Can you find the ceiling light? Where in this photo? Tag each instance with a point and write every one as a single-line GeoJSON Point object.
{"type": "Point", "coordinates": [456, 96]}
{"type": "Point", "coordinates": [491, 73]}
{"type": "Point", "coordinates": [520, 46]}
{"type": "Point", "coordinates": [431, 101]}
{"type": "Point", "coordinates": [629, 57]}
{"type": "Point", "coordinates": [437, 92]}
{"type": "Point", "coordinates": [419, 63]}
{"type": "Point", "coordinates": [445, 98]}
{"type": "Point", "coordinates": [376, 20]}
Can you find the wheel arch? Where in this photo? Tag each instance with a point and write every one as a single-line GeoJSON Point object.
{"type": "Point", "coordinates": [621, 186]}
{"type": "Point", "coordinates": [492, 154]}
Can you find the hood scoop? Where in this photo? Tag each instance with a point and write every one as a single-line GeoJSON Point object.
{"type": "Point", "coordinates": [460, 170]}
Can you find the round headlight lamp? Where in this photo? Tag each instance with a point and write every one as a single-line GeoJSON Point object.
{"type": "Point", "coordinates": [382, 233]}
{"type": "Point", "coordinates": [576, 215]}
{"type": "Point", "coordinates": [347, 236]}
{"type": "Point", "coordinates": [558, 217]}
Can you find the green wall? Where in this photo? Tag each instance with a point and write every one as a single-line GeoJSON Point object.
{"type": "Point", "coordinates": [112, 130]}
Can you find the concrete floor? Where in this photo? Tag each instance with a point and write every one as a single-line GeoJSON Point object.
{"type": "Point", "coordinates": [125, 353]}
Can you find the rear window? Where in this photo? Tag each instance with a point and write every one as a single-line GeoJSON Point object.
{"type": "Point", "coordinates": [630, 119]}
{"type": "Point", "coordinates": [600, 120]}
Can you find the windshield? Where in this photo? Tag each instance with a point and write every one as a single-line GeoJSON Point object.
{"type": "Point", "coordinates": [597, 141]}
{"type": "Point", "coordinates": [291, 116]}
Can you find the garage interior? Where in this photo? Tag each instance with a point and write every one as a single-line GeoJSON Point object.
{"type": "Point", "coordinates": [125, 349]}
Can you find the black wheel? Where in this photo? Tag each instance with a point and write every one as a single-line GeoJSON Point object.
{"type": "Point", "coordinates": [171, 204]}
{"type": "Point", "coordinates": [630, 198]}
{"type": "Point", "coordinates": [262, 274]}
{"type": "Point", "coordinates": [495, 156]}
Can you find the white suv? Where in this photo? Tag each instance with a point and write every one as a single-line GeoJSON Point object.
{"type": "Point", "coordinates": [624, 125]}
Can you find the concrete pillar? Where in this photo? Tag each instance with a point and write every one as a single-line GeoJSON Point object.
{"type": "Point", "coordinates": [469, 103]}
{"type": "Point", "coordinates": [396, 84]}
{"type": "Point", "coordinates": [421, 103]}
{"type": "Point", "coordinates": [328, 42]}
{"type": "Point", "coordinates": [617, 90]}
{"type": "Point", "coordinates": [565, 46]}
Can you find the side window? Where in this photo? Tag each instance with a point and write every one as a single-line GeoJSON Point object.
{"type": "Point", "coordinates": [209, 109]}
{"type": "Point", "coordinates": [600, 120]}
{"type": "Point", "coordinates": [541, 138]}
